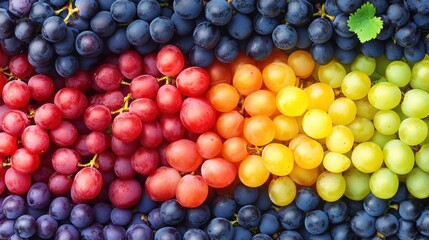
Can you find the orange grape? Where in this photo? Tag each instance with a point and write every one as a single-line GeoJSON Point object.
{"type": "Point", "coordinates": [292, 101]}
{"type": "Point", "coordinates": [304, 177]}
{"type": "Point", "coordinates": [252, 171]}
{"type": "Point", "coordinates": [230, 124]}
{"type": "Point", "coordinates": [209, 144]}
{"type": "Point", "coordinates": [298, 139]}
{"type": "Point", "coordinates": [259, 130]}
{"type": "Point", "coordinates": [286, 127]}
{"type": "Point", "coordinates": [276, 56]}
{"type": "Point", "coordinates": [219, 72]}
{"type": "Point", "coordinates": [308, 154]}
{"type": "Point", "coordinates": [241, 58]}
{"type": "Point", "coordinates": [277, 75]}
{"type": "Point", "coordinates": [320, 96]}
{"type": "Point", "coordinates": [302, 63]}
{"type": "Point", "coordinates": [223, 97]}
{"type": "Point", "coordinates": [247, 79]}
{"type": "Point", "coordinates": [261, 102]}
{"type": "Point", "coordinates": [234, 149]}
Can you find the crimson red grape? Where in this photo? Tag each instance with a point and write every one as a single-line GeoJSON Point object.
{"type": "Point", "coordinates": [59, 184]}
{"type": "Point", "coordinates": [191, 191]}
{"type": "Point", "coordinates": [193, 81]}
{"type": "Point", "coordinates": [80, 80]}
{"type": "Point", "coordinates": [97, 142]}
{"type": "Point", "coordinates": [48, 116]}
{"type": "Point", "coordinates": [149, 65]}
{"type": "Point", "coordinates": [108, 77]}
{"type": "Point", "coordinates": [124, 193]}
{"type": "Point", "coordinates": [126, 127]}
{"type": "Point", "coordinates": [80, 146]}
{"type": "Point", "coordinates": [170, 60]}
{"type": "Point", "coordinates": [16, 94]}
{"type": "Point", "coordinates": [24, 161]}
{"type": "Point", "coordinates": [41, 87]}
{"type": "Point", "coordinates": [155, 185]}
{"type": "Point", "coordinates": [17, 182]}
{"type": "Point", "coordinates": [8, 144]}
{"type": "Point", "coordinates": [197, 115]}
{"type": "Point", "coordinates": [20, 67]}
{"type": "Point", "coordinates": [123, 149]}
{"type": "Point", "coordinates": [172, 128]}
{"type": "Point", "coordinates": [113, 99]}
{"type": "Point", "coordinates": [87, 183]}
{"type": "Point", "coordinates": [146, 109]}
{"type": "Point", "coordinates": [169, 99]}
{"type": "Point", "coordinates": [218, 172]}
{"type": "Point", "coordinates": [183, 155]}
{"type": "Point", "coordinates": [35, 139]}
{"type": "Point", "coordinates": [130, 64]}
{"type": "Point", "coordinates": [97, 117]}
{"type": "Point", "coordinates": [65, 160]}
{"type": "Point", "coordinates": [106, 161]}
{"type": "Point", "coordinates": [144, 86]}
{"type": "Point", "coordinates": [64, 135]}
{"type": "Point", "coordinates": [71, 101]}
{"type": "Point", "coordinates": [151, 135]}
{"type": "Point", "coordinates": [123, 168]}
{"type": "Point", "coordinates": [145, 160]}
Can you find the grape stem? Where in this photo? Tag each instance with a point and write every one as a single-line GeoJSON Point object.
{"type": "Point", "coordinates": [31, 112]}
{"type": "Point", "coordinates": [71, 11]}
{"type": "Point", "coordinates": [168, 80]}
{"type": "Point", "coordinates": [91, 163]}
{"type": "Point", "coordinates": [322, 13]}
{"type": "Point", "coordinates": [125, 83]}
{"type": "Point", "coordinates": [126, 104]}
{"type": "Point", "coordinates": [255, 150]}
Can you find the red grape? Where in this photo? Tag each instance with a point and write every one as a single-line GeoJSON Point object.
{"type": "Point", "coordinates": [16, 94]}
{"type": "Point", "coordinates": [170, 60]}
{"type": "Point", "coordinates": [48, 116]}
{"type": "Point", "coordinates": [209, 144]}
{"type": "Point", "coordinates": [183, 155]}
{"type": "Point", "coordinates": [197, 115]}
{"type": "Point", "coordinates": [8, 144]}
{"type": "Point", "coordinates": [71, 101]}
{"type": "Point", "coordinates": [123, 149]}
{"type": "Point", "coordinates": [97, 142]}
{"type": "Point", "coordinates": [123, 168]}
{"type": "Point", "coordinates": [97, 117]}
{"type": "Point", "coordinates": [151, 135]}
{"type": "Point", "coordinates": [87, 182]}
{"type": "Point", "coordinates": [113, 100]}
{"type": "Point", "coordinates": [35, 139]}
{"type": "Point", "coordinates": [80, 146]}
{"type": "Point", "coordinates": [24, 161]}
{"type": "Point", "coordinates": [106, 161]}
{"type": "Point", "coordinates": [145, 160]}
{"type": "Point", "coordinates": [145, 108]}
{"type": "Point", "coordinates": [65, 160]}
{"type": "Point", "coordinates": [14, 122]}
{"type": "Point", "coordinates": [191, 191]}
{"type": "Point", "coordinates": [41, 87]}
{"type": "Point", "coordinates": [169, 99]}
{"type": "Point", "coordinates": [16, 182]}
{"type": "Point", "coordinates": [193, 81]}
{"type": "Point", "coordinates": [124, 193]}
{"type": "Point", "coordinates": [80, 80]}
{"type": "Point", "coordinates": [130, 64]}
{"type": "Point", "coordinates": [20, 67]}
{"type": "Point", "coordinates": [59, 184]}
{"type": "Point", "coordinates": [144, 86]}
{"type": "Point", "coordinates": [108, 77]}
{"type": "Point", "coordinates": [156, 187]}
{"type": "Point", "coordinates": [4, 58]}
{"type": "Point", "coordinates": [64, 135]}
{"type": "Point", "coordinates": [149, 65]}
{"type": "Point", "coordinates": [218, 172]}
{"type": "Point", "coordinates": [3, 81]}
{"type": "Point", "coordinates": [172, 128]}
{"type": "Point", "coordinates": [126, 127]}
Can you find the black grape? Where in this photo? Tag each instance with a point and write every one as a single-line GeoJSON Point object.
{"type": "Point", "coordinates": [349, 6]}
{"type": "Point", "coordinates": [6, 24]}
{"type": "Point", "coordinates": [40, 50]}
{"type": "Point", "coordinates": [288, 234]}
{"type": "Point", "coordinates": [118, 42]}
{"type": "Point", "coordinates": [66, 46]}
{"type": "Point", "coordinates": [407, 229]}
{"type": "Point", "coordinates": [387, 224]}
{"type": "Point", "coordinates": [244, 6]}
{"type": "Point", "coordinates": [226, 50]}
{"type": "Point", "coordinates": [206, 35]}
{"type": "Point", "coordinates": [25, 30]}
{"type": "Point", "coordinates": [303, 39]}
{"type": "Point", "coordinates": [138, 32]}
{"type": "Point", "coordinates": [374, 206]}
{"type": "Point", "coordinates": [322, 53]}
{"type": "Point", "coordinates": [387, 30]}
{"type": "Point", "coordinates": [161, 29]}
{"type": "Point", "coordinates": [264, 25]}
{"type": "Point", "coordinates": [54, 29]}
{"type": "Point", "coordinates": [269, 224]}
{"type": "Point", "coordinates": [188, 9]}
{"type": "Point", "coordinates": [249, 216]}
{"type": "Point", "coordinates": [40, 11]}
{"type": "Point", "coordinates": [183, 27]}
{"type": "Point", "coordinates": [372, 48]}
{"type": "Point", "coordinates": [88, 44]}
{"type": "Point", "coordinates": [240, 26]}
{"type": "Point", "coordinates": [224, 206]}
{"type": "Point", "coordinates": [342, 231]}
{"type": "Point", "coordinates": [105, 5]}
{"type": "Point", "coordinates": [123, 11]}
{"type": "Point", "coordinates": [331, 8]}
{"type": "Point", "coordinates": [46, 226]}
{"type": "Point", "coordinates": [112, 231]}
{"type": "Point", "coordinates": [259, 47]}
{"type": "Point", "coordinates": [172, 212]}
{"type": "Point", "coordinates": [103, 24]}
{"type": "Point", "coordinates": [393, 51]}
{"type": "Point", "coordinates": [380, 6]}
{"type": "Point", "coordinates": [148, 10]}
{"type": "Point", "coordinates": [408, 35]}
{"type": "Point", "coordinates": [271, 8]}
{"type": "Point", "coordinates": [193, 233]}
{"type": "Point", "coordinates": [197, 217]}
{"type": "Point", "coordinates": [320, 30]}
{"type": "Point", "coordinates": [346, 43]}
{"type": "Point", "coordinates": [416, 53]}
{"type": "Point", "coordinates": [363, 224]}
{"type": "Point", "coordinates": [218, 12]}
{"type": "Point", "coordinates": [20, 8]}
{"type": "Point", "coordinates": [285, 37]}
{"type": "Point", "coordinates": [422, 21]}
{"type": "Point", "coordinates": [340, 25]}
{"type": "Point", "coordinates": [290, 217]}
{"type": "Point", "coordinates": [25, 226]}
{"type": "Point", "coordinates": [422, 222]}
{"type": "Point", "coordinates": [184, 43]}
{"type": "Point", "coordinates": [299, 12]}
{"type": "Point", "coordinates": [87, 8]}
{"type": "Point", "coordinates": [94, 231]}
{"type": "Point", "coordinates": [397, 14]}
{"type": "Point", "coordinates": [220, 228]}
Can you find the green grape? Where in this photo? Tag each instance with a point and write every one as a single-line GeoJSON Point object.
{"type": "Point", "coordinates": [278, 159]}
{"type": "Point", "coordinates": [340, 139]}
{"type": "Point", "coordinates": [362, 129]}
{"type": "Point", "coordinates": [364, 64]}
{"type": "Point", "coordinates": [417, 183]}
{"type": "Point", "coordinates": [357, 184]}
{"type": "Point", "coordinates": [398, 73]}
{"type": "Point", "coordinates": [420, 75]}
{"type": "Point", "coordinates": [356, 85]}
{"type": "Point", "coordinates": [342, 111]}
{"type": "Point", "coordinates": [381, 64]}
{"type": "Point", "coordinates": [386, 122]}
{"type": "Point", "coordinates": [384, 95]}
{"type": "Point", "coordinates": [282, 191]}
{"type": "Point", "coordinates": [331, 73]}
{"type": "Point", "coordinates": [426, 141]}
{"type": "Point", "coordinates": [381, 139]}
{"type": "Point", "coordinates": [365, 109]}
{"type": "Point", "coordinates": [317, 123]}
{"type": "Point", "coordinates": [292, 101]}
{"type": "Point", "coordinates": [330, 186]}
{"type": "Point", "coordinates": [422, 158]}
{"type": "Point", "coordinates": [336, 162]}
{"type": "Point", "coordinates": [415, 103]}
{"type": "Point", "coordinates": [384, 183]}
{"type": "Point", "coordinates": [413, 131]}
{"type": "Point", "coordinates": [398, 156]}
{"type": "Point", "coordinates": [367, 157]}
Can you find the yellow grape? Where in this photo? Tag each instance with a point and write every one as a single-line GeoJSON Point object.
{"type": "Point", "coordinates": [286, 127]}
{"type": "Point", "coordinates": [304, 177]}
{"type": "Point", "coordinates": [332, 73]}
{"type": "Point", "coordinates": [302, 63]}
{"type": "Point", "coordinates": [384, 95]}
{"type": "Point", "coordinates": [317, 123]}
{"type": "Point", "coordinates": [356, 85]}
{"type": "Point", "coordinates": [381, 139]}
{"type": "Point", "coordinates": [362, 129]}
{"type": "Point", "coordinates": [259, 130]}
{"type": "Point", "coordinates": [247, 79]}
{"type": "Point", "coordinates": [386, 122]}
{"type": "Point", "coordinates": [298, 139]}
{"type": "Point", "coordinates": [367, 157]}
{"type": "Point", "coordinates": [340, 139]}
{"type": "Point", "coordinates": [365, 109]}
{"type": "Point", "coordinates": [223, 96]}
{"type": "Point", "coordinates": [336, 162]}
{"type": "Point", "coordinates": [308, 154]}
{"type": "Point", "coordinates": [252, 171]}
{"type": "Point", "coordinates": [357, 184]}
{"type": "Point", "coordinates": [330, 186]}
{"type": "Point", "coordinates": [384, 183]}
{"type": "Point", "coordinates": [292, 101]}
{"type": "Point", "coordinates": [261, 102]}
{"type": "Point", "coordinates": [277, 75]}
{"type": "Point", "coordinates": [320, 96]}
{"type": "Point", "coordinates": [342, 111]}
{"type": "Point", "coordinates": [278, 159]}
{"type": "Point", "coordinates": [282, 191]}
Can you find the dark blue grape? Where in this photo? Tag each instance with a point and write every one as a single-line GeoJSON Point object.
{"type": "Point", "coordinates": [340, 25]}
{"type": "Point", "coordinates": [259, 47]}
{"type": "Point", "coordinates": [271, 8]}
{"type": "Point", "coordinates": [147, 48]}
{"type": "Point", "coordinates": [40, 50]}
{"type": "Point", "coordinates": [410, 209]}
{"type": "Point", "coordinates": [218, 12]}
{"type": "Point", "coordinates": [88, 44]}
{"type": "Point", "coordinates": [172, 212]}
{"type": "Point", "coordinates": [331, 8]}
{"type": "Point", "coordinates": [54, 29]}
{"type": "Point", "coordinates": [263, 202]}
{"type": "Point", "coordinates": [206, 35]}
{"type": "Point", "coordinates": [306, 199]}
{"type": "Point", "coordinates": [201, 57]}
{"type": "Point", "coordinates": [60, 208]}
{"type": "Point", "coordinates": [195, 234]}
{"type": "Point", "coordinates": [46, 226]}
{"type": "Point", "coordinates": [121, 216]}
{"type": "Point", "coordinates": [416, 53]}
{"type": "Point", "coordinates": [2, 216]}
{"type": "Point", "coordinates": [197, 217]}
{"type": "Point", "coordinates": [6, 228]}
{"type": "Point", "coordinates": [13, 46]}
{"type": "Point", "coordinates": [82, 215]}
{"type": "Point", "coordinates": [346, 43]}
{"type": "Point", "coordinates": [336, 211]}
{"type": "Point", "coordinates": [285, 37]}
{"type": "Point", "coordinates": [245, 195]}
{"type": "Point", "coordinates": [92, 232]}
{"type": "Point", "coordinates": [67, 231]}
{"type": "Point", "coordinates": [244, 6]}
{"type": "Point", "coordinates": [249, 216]}
{"type": "Point", "coordinates": [363, 224]}
{"type": "Point", "coordinates": [36, 213]}
{"type": "Point", "coordinates": [58, 3]}
{"type": "Point", "coordinates": [398, 14]}
{"type": "Point", "coordinates": [421, 6]}
{"type": "Point", "coordinates": [387, 224]}
{"type": "Point", "coordinates": [241, 233]}
{"type": "Point", "coordinates": [373, 48]}
{"type": "Point", "coordinates": [322, 53]}
{"type": "Point", "coordinates": [182, 26]}
{"type": "Point", "coordinates": [224, 207]}
{"type": "Point", "coordinates": [80, 24]}
{"type": "Point", "coordinates": [387, 30]}
{"type": "Point", "coordinates": [320, 30]}
{"type": "Point", "coordinates": [87, 8]}
{"type": "Point", "coordinates": [188, 9]}
{"type": "Point", "coordinates": [261, 236]}
{"type": "Point", "coordinates": [66, 66]}
{"type": "Point", "coordinates": [374, 206]}
{"type": "Point", "coordinates": [25, 30]}
{"type": "Point", "coordinates": [118, 42]}
{"type": "Point", "coordinates": [148, 10]}
{"type": "Point", "coordinates": [408, 35]}
{"type": "Point", "coordinates": [184, 43]}
{"type": "Point", "coordinates": [19, 8]}
{"type": "Point", "coordinates": [25, 226]}
{"type": "Point", "coordinates": [393, 52]}
{"type": "Point", "coordinates": [113, 232]}
{"type": "Point", "coordinates": [40, 11]}
{"type": "Point", "coordinates": [303, 41]}
{"type": "Point", "coordinates": [290, 217]}
{"type": "Point", "coordinates": [154, 218]}
{"type": "Point", "coordinates": [290, 235]}
{"type": "Point", "coordinates": [422, 222]}
{"type": "Point", "coordinates": [422, 21]}
{"type": "Point", "coordinates": [139, 231]}
{"type": "Point", "coordinates": [167, 233]}
{"type": "Point", "coordinates": [269, 224]}
{"type": "Point", "coordinates": [14, 206]}
{"type": "Point", "coordinates": [240, 26]}
{"type": "Point", "coordinates": [407, 229]}
{"type": "Point", "coordinates": [38, 196]}
{"type": "Point", "coordinates": [299, 12]}
{"type": "Point", "coordinates": [66, 46]}
{"type": "Point", "coordinates": [123, 10]}
{"type": "Point", "coordinates": [316, 222]}
{"type": "Point", "coordinates": [103, 24]}
{"type": "Point", "coordinates": [341, 231]}
{"type": "Point", "coordinates": [349, 6]}
{"type": "Point", "coordinates": [146, 204]}
{"type": "Point", "coordinates": [167, 12]}
{"type": "Point", "coordinates": [220, 228]}
{"type": "Point", "coordinates": [380, 6]}
{"type": "Point", "coordinates": [161, 29]}
{"type": "Point", "coordinates": [402, 192]}
{"type": "Point", "coordinates": [264, 25]}
{"type": "Point", "coordinates": [6, 24]}
{"type": "Point", "coordinates": [353, 206]}
{"type": "Point", "coordinates": [105, 5]}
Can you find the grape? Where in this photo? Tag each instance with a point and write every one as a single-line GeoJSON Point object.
{"type": "Point", "coordinates": [192, 81]}
{"type": "Point", "coordinates": [332, 73]}
{"type": "Point", "coordinates": [191, 191]}
{"type": "Point", "coordinates": [277, 75]}
{"type": "Point", "coordinates": [340, 139]}
{"type": "Point", "coordinates": [322, 53]}
{"type": "Point", "coordinates": [415, 182]}
{"type": "Point", "coordinates": [88, 44]}
{"type": "Point", "coordinates": [223, 206]}
{"type": "Point", "coordinates": [317, 123]}
{"type": "Point", "coordinates": [218, 12]}
{"type": "Point", "coordinates": [286, 128]}
{"type": "Point", "coordinates": [387, 122]}
{"type": "Point", "coordinates": [223, 97]}
{"type": "Point", "coordinates": [16, 94]}
{"type": "Point", "coordinates": [414, 103]}
{"type": "Point", "coordinates": [183, 155]}
{"type": "Point", "coordinates": [316, 222]}
{"type": "Point", "coordinates": [220, 228]}
{"type": "Point", "coordinates": [197, 114]}
{"type": "Point", "coordinates": [362, 129]}
{"type": "Point", "coordinates": [398, 156]}
{"type": "Point", "coordinates": [284, 37]}
{"type": "Point", "coordinates": [384, 183]}
{"type": "Point", "coordinates": [356, 85]}
{"type": "Point", "coordinates": [260, 102]}
{"type": "Point", "coordinates": [218, 172]}
{"type": "Point", "coordinates": [235, 149]}
{"type": "Point", "coordinates": [278, 159]}
{"type": "Point", "coordinates": [259, 130]}
{"type": "Point", "coordinates": [120, 188]}
{"type": "Point", "coordinates": [330, 186]}
{"type": "Point", "coordinates": [307, 152]}
{"type": "Point", "coordinates": [418, 73]}
{"type": "Point", "coordinates": [24, 161]}
{"type": "Point", "coordinates": [226, 50]}
{"type": "Point", "coordinates": [54, 29]}
{"type": "Point", "coordinates": [384, 95]}
{"type": "Point", "coordinates": [336, 162]}
{"type": "Point", "coordinates": [367, 157]}
{"type": "Point", "coordinates": [249, 216]}
{"type": "Point", "coordinates": [8, 144]}
{"type": "Point", "coordinates": [412, 131]}
{"type": "Point", "coordinates": [155, 185]}
{"type": "Point", "coordinates": [252, 171]}
{"type": "Point", "coordinates": [320, 30]}
{"type": "Point", "coordinates": [87, 183]}
{"type": "Point", "coordinates": [282, 191]}
{"type": "Point", "coordinates": [292, 101]}
{"type": "Point", "coordinates": [247, 79]}
{"type": "Point", "coordinates": [363, 224]}
{"type": "Point", "coordinates": [17, 182]}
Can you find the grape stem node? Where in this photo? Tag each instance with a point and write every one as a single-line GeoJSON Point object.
{"type": "Point", "coordinates": [168, 80]}
{"type": "Point", "coordinates": [126, 104]}
{"type": "Point", "coordinates": [91, 163]}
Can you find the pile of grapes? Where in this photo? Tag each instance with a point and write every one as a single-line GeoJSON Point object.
{"type": "Point", "coordinates": [191, 119]}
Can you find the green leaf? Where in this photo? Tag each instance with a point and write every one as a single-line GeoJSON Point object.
{"type": "Point", "coordinates": [364, 23]}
